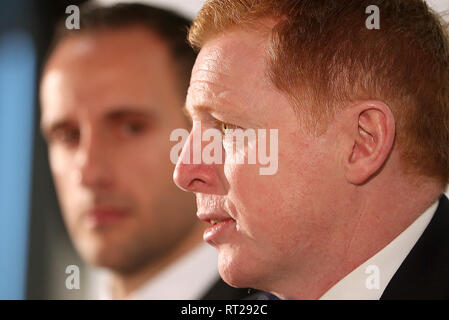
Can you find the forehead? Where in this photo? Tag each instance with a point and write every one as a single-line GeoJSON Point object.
{"type": "Point", "coordinates": [130, 50]}
{"type": "Point", "coordinates": [230, 69]}
{"type": "Point", "coordinates": [236, 47]}
{"type": "Point", "coordinates": [101, 69]}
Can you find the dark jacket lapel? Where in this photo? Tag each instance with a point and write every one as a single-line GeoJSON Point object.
{"type": "Point", "coordinates": [222, 291]}
{"type": "Point", "coordinates": [424, 274]}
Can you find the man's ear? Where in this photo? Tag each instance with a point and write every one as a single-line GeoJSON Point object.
{"type": "Point", "coordinates": [371, 133]}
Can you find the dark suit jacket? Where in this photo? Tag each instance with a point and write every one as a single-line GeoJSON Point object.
{"type": "Point", "coordinates": [222, 291]}
{"type": "Point", "coordinates": [424, 274]}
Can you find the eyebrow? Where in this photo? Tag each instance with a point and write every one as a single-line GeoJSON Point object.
{"type": "Point", "coordinates": [122, 112]}
{"type": "Point", "coordinates": [115, 115]}
{"type": "Point", "coordinates": [219, 114]}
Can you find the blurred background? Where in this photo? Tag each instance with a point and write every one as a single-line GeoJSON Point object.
{"type": "Point", "coordinates": [34, 247]}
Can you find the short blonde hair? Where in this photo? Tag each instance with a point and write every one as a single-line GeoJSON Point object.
{"type": "Point", "coordinates": [321, 51]}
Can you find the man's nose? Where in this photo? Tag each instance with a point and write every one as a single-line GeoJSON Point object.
{"type": "Point", "coordinates": [93, 163]}
{"type": "Point", "coordinates": [197, 177]}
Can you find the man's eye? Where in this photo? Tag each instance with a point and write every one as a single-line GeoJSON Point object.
{"type": "Point", "coordinates": [66, 137]}
{"type": "Point", "coordinates": [226, 127]}
{"type": "Point", "coordinates": [132, 127]}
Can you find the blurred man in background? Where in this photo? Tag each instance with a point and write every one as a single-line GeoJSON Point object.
{"type": "Point", "coordinates": [111, 93]}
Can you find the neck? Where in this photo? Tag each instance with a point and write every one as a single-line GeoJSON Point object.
{"type": "Point", "coordinates": [123, 285]}
{"type": "Point", "coordinates": [377, 217]}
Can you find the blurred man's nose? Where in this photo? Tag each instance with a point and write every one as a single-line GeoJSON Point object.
{"type": "Point", "coordinates": [189, 175]}
{"type": "Point", "coordinates": [93, 162]}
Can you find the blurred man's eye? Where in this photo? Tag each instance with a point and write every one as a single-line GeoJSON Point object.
{"type": "Point", "coordinates": [65, 136]}
{"type": "Point", "coordinates": [129, 123]}
{"type": "Point", "coordinates": [133, 128]}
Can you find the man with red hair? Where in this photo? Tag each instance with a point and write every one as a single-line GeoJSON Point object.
{"type": "Point", "coordinates": [356, 208]}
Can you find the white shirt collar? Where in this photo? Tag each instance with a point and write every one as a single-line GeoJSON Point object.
{"type": "Point", "coordinates": [361, 283]}
{"type": "Point", "coordinates": [188, 278]}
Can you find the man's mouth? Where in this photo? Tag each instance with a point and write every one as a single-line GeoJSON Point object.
{"type": "Point", "coordinates": [102, 216]}
{"type": "Point", "coordinates": [219, 231]}
{"type": "Point", "coordinates": [214, 222]}
{"type": "Point", "coordinates": [214, 217]}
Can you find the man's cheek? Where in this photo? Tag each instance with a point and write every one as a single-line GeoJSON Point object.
{"type": "Point", "coordinates": [59, 161]}
{"type": "Point", "coordinates": [240, 176]}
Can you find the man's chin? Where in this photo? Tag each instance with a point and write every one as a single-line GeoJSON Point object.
{"type": "Point", "coordinates": [238, 273]}
{"type": "Point", "coordinates": [102, 255]}
{"type": "Point", "coordinates": [111, 263]}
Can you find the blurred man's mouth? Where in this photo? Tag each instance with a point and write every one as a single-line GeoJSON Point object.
{"type": "Point", "coordinates": [104, 216]}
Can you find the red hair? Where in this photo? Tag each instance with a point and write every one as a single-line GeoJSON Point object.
{"type": "Point", "coordinates": [321, 52]}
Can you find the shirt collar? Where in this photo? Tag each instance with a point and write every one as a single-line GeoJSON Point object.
{"type": "Point", "coordinates": [186, 279]}
{"type": "Point", "coordinates": [369, 280]}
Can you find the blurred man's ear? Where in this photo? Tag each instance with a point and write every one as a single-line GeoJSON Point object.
{"type": "Point", "coordinates": [371, 133]}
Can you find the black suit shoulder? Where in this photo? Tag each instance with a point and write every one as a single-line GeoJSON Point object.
{"type": "Point", "coordinates": [424, 274]}
{"type": "Point", "coordinates": [222, 291]}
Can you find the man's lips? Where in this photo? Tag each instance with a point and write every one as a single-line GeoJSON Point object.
{"type": "Point", "coordinates": [213, 217]}
{"type": "Point", "coordinates": [103, 215]}
{"type": "Point", "coordinates": [220, 225]}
